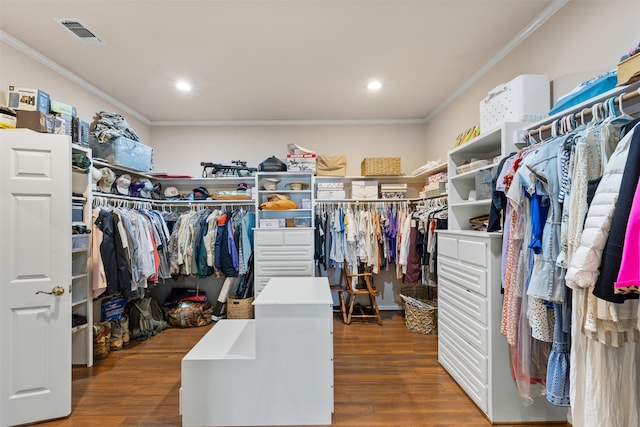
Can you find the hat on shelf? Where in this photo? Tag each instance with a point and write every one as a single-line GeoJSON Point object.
{"type": "Point", "coordinates": [171, 193]}
{"type": "Point", "coordinates": [156, 192]}
{"type": "Point", "coordinates": [135, 189]}
{"type": "Point", "coordinates": [268, 184]}
{"type": "Point", "coordinates": [297, 185]}
{"type": "Point", "coordinates": [147, 189]}
{"type": "Point", "coordinates": [80, 162]}
{"type": "Point", "coordinates": [276, 197]}
{"type": "Point", "coordinates": [122, 184]}
{"type": "Point", "coordinates": [296, 149]}
{"type": "Point", "coordinates": [200, 193]}
{"type": "Point", "coordinates": [107, 180]}
{"type": "Point", "coordinates": [96, 175]}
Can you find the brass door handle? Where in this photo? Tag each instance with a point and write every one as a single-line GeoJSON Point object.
{"type": "Point", "coordinates": [57, 291]}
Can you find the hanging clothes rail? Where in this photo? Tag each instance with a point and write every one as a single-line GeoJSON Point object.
{"type": "Point", "coordinates": [584, 113]}
{"type": "Point", "coordinates": [120, 202]}
{"type": "Point", "coordinates": [105, 199]}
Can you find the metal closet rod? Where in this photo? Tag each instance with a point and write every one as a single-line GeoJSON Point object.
{"type": "Point", "coordinates": [127, 201]}
{"type": "Point", "coordinates": [586, 111]}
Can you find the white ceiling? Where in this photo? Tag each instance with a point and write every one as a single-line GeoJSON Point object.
{"type": "Point", "coordinates": [274, 60]}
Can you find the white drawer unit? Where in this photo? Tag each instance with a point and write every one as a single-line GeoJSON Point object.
{"type": "Point", "coordinates": [282, 252]}
{"type": "Point", "coordinates": [470, 346]}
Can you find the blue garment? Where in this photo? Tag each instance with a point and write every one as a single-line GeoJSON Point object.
{"type": "Point", "coordinates": [558, 365]}
{"type": "Point", "coordinates": [543, 166]}
{"type": "Point", "coordinates": [248, 224]}
{"type": "Point", "coordinates": [539, 212]}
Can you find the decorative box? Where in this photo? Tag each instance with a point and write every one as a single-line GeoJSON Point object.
{"type": "Point", "coordinates": [301, 163]}
{"type": "Point", "coordinates": [22, 98]}
{"type": "Point", "coordinates": [526, 98]}
{"type": "Point", "coordinates": [331, 194]}
{"type": "Point", "coordinates": [629, 70]}
{"type": "Point", "coordinates": [272, 223]}
{"type": "Point", "coordinates": [363, 190]}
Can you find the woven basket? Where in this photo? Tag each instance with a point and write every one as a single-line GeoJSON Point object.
{"type": "Point", "coordinates": [240, 308]}
{"type": "Point", "coordinates": [380, 166]}
{"type": "Point", "coordinates": [423, 320]}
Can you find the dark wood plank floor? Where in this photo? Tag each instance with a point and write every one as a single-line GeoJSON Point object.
{"type": "Point", "coordinates": [384, 376]}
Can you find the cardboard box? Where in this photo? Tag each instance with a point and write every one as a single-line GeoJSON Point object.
{"type": "Point", "coordinates": [36, 120]}
{"type": "Point", "coordinates": [21, 98]}
{"type": "Point", "coordinates": [301, 163]}
{"type": "Point", "coordinates": [364, 190]}
{"type": "Point", "coordinates": [124, 152]}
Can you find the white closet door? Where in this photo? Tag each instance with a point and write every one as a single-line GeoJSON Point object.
{"type": "Point", "coordinates": [35, 277]}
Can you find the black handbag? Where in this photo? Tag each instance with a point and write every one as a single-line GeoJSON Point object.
{"type": "Point", "coordinates": [273, 164]}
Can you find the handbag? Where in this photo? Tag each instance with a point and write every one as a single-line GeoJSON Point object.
{"type": "Point", "coordinates": [331, 165]}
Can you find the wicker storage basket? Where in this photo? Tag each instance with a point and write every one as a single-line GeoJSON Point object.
{"type": "Point", "coordinates": [380, 166]}
{"type": "Point", "coordinates": [240, 308]}
{"type": "Point", "coordinates": [421, 314]}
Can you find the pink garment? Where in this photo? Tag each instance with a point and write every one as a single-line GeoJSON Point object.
{"type": "Point", "coordinates": [629, 274]}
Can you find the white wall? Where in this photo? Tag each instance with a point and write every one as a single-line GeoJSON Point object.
{"type": "Point", "coordinates": [582, 40]}
{"type": "Point", "coordinates": [18, 69]}
{"type": "Point", "coordinates": [181, 149]}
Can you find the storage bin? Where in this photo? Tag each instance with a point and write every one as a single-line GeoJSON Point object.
{"type": "Point", "coordinates": [77, 212]}
{"type": "Point", "coordinates": [240, 308]}
{"type": "Point", "coordinates": [380, 166]}
{"type": "Point", "coordinates": [363, 190]}
{"type": "Point", "coordinates": [483, 184]}
{"type": "Point", "coordinates": [526, 98]}
{"type": "Point", "coordinates": [80, 242]}
{"type": "Point", "coordinates": [421, 314]}
{"type": "Point", "coordinates": [302, 221]}
{"type": "Point", "coordinates": [124, 152]}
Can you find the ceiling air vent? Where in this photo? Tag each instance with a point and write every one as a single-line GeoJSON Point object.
{"type": "Point", "coordinates": [79, 30]}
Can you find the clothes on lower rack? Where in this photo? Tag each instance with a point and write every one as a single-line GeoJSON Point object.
{"type": "Point", "coordinates": [211, 241]}
{"type": "Point", "coordinates": [132, 245]}
{"type": "Point", "coordinates": [377, 235]}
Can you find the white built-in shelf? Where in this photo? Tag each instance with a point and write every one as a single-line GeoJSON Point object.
{"type": "Point", "coordinates": [102, 164]}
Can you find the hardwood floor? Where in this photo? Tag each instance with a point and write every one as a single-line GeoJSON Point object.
{"type": "Point", "coordinates": [384, 376]}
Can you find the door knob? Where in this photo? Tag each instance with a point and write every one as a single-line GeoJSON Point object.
{"type": "Point", "coordinates": [57, 291]}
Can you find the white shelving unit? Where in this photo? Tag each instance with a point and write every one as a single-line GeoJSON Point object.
{"type": "Point", "coordinates": [489, 147]}
{"type": "Point", "coordinates": [81, 288]}
{"type": "Point", "coordinates": [303, 213]}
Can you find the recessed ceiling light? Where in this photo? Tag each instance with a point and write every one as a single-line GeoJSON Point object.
{"type": "Point", "coordinates": [374, 85]}
{"type": "Point", "coordinates": [183, 86]}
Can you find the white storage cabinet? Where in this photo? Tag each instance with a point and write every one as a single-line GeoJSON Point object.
{"type": "Point", "coordinates": [470, 346]}
{"type": "Point", "coordinates": [282, 252]}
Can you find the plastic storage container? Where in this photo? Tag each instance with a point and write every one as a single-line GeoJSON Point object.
{"type": "Point", "coordinates": [80, 242]}
{"type": "Point", "coordinates": [527, 98]}
{"type": "Point", "coordinates": [124, 152]}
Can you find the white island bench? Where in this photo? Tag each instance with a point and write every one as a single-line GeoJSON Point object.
{"type": "Point", "coordinates": [276, 369]}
